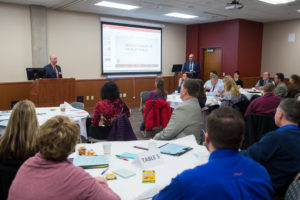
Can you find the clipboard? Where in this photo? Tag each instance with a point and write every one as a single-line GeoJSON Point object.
{"type": "Point", "coordinates": [174, 149]}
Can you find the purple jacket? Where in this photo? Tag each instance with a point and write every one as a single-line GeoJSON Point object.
{"type": "Point", "coordinates": [121, 130]}
{"type": "Point", "coordinates": [265, 104]}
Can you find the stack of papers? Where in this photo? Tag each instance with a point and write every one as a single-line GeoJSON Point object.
{"type": "Point", "coordinates": [89, 162]}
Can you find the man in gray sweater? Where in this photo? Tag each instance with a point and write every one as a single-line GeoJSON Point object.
{"type": "Point", "coordinates": [185, 119]}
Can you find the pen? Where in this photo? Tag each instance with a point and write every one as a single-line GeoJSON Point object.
{"type": "Point", "coordinates": [104, 171]}
{"type": "Point", "coordinates": [120, 157]}
{"type": "Point", "coordinates": [143, 148]}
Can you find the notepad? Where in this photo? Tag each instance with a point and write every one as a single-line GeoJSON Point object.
{"type": "Point", "coordinates": [89, 162]}
{"type": "Point", "coordinates": [174, 149]}
{"type": "Point", "coordinates": [124, 173]}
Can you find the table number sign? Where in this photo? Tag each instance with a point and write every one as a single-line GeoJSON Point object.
{"type": "Point", "coordinates": [149, 158]}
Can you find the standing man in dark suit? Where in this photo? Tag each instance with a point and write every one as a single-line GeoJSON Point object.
{"type": "Point", "coordinates": [52, 70]}
{"type": "Point", "coordinates": [191, 67]}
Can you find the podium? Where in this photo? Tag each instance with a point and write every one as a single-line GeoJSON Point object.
{"type": "Point", "coordinates": [52, 92]}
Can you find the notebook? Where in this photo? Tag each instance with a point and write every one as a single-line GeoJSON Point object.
{"type": "Point", "coordinates": [124, 173]}
{"type": "Point", "coordinates": [89, 162]}
{"type": "Point", "coordinates": [174, 149]}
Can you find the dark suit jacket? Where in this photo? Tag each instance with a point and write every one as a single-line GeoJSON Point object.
{"type": "Point", "coordinates": [51, 73]}
{"type": "Point", "coordinates": [196, 68]}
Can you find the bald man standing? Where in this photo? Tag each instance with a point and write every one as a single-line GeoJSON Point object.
{"type": "Point", "coordinates": [191, 67]}
{"type": "Point", "coordinates": [52, 70]}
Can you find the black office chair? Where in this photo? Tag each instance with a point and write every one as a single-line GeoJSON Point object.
{"type": "Point", "coordinates": [257, 125]}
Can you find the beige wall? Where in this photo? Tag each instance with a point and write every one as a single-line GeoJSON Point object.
{"type": "Point", "coordinates": [279, 55]}
{"type": "Point", "coordinates": [15, 42]}
{"type": "Point", "coordinates": [74, 38]}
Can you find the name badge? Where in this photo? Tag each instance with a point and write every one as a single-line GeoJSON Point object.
{"type": "Point", "coordinates": [149, 159]}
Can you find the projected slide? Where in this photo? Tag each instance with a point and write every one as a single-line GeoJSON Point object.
{"type": "Point", "coordinates": [130, 49]}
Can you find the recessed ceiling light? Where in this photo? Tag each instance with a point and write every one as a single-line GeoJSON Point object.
{"type": "Point", "coordinates": [180, 15]}
{"type": "Point", "coordinates": [298, 10]}
{"type": "Point", "coordinates": [116, 5]}
{"type": "Point", "coordinates": [278, 1]}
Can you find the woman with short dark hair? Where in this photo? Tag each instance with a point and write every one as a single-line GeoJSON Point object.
{"type": "Point", "coordinates": [49, 175]}
{"type": "Point", "coordinates": [107, 110]}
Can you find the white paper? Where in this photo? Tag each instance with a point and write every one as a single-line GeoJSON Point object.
{"type": "Point", "coordinates": [292, 37]}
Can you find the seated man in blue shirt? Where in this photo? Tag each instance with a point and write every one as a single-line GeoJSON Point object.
{"type": "Point", "coordinates": [217, 88]}
{"type": "Point", "coordinates": [279, 151]}
{"type": "Point", "coordinates": [207, 84]}
{"type": "Point", "coordinates": [228, 174]}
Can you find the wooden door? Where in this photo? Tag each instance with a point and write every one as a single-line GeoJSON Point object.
{"type": "Point", "coordinates": [212, 61]}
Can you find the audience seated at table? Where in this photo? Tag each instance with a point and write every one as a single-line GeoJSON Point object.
{"type": "Point", "coordinates": [232, 94]}
{"type": "Point", "coordinates": [228, 174]}
{"type": "Point", "coordinates": [186, 118]}
{"type": "Point", "coordinates": [266, 104]}
{"type": "Point", "coordinates": [237, 80]}
{"type": "Point", "coordinates": [281, 89]}
{"type": "Point", "coordinates": [201, 94]}
{"type": "Point", "coordinates": [183, 77]}
{"type": "Point", "coordinates": [262, 82]}
{"type": "Point", "coordinates": [18, 143]}
{"type": "Point", "coordinates": [207, 84]}
{"type": "Point", "coordinates": [294, 87]}
{"type": "Point", "coordinates": [159, 92]}
{"type": "Point", "coordinates": [108, 109]}
{"type": "Point", "coordinates": [216, 87]}
{"type": "Point", "coordinates": [50, 175]}
{"type": "Point", "coordinates": [279, 151]}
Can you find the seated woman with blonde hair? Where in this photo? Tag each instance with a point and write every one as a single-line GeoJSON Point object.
{"type": "Point", "coordinates": [18, 143]}
{"type": "Point", "coordinates": [232, 94]}
{"type": "Point", "coordinates": [49, 175]}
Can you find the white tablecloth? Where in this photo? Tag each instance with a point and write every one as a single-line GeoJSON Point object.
{"type": "Point", "coordinates": [43, 114]}
{"type": "Point", "coordinates": [249, 93]}
{"type": "Point", "coordinates": [133, 188]}
{"type": "Point", "coordinates": [174, 100]}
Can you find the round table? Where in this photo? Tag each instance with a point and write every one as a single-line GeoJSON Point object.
{"type": "Point", "coordinates": [45, 113]}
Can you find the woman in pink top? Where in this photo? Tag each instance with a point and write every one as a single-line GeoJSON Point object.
{"type": "Point", "coordinates": [49, 175]}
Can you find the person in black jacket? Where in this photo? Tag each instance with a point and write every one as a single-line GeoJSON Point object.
{"type": "Point", "coordinates": [237, 80]}
{"type": "Point", "coordinates": [52, 70]}
{"type": "Point", "coordinates": [18, 143]}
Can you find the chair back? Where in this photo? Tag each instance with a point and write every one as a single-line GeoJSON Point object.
{"type": "Point", "coordinates": [78, 105]}
{"type": "Point", "coordinates": [159, 114]}
{"type": "Point", "coordinates": [121, 129]}
{"type": "Point", "coordinates": [293, 192]}
{"type": "Point", "coordinates": [144, 95]}
{"type": "Point", "coordinates": [242, 105]}
{"type": "Point", "coordinates": [257, 125]}
{"type": "Point", "coordinates": [8, 171]}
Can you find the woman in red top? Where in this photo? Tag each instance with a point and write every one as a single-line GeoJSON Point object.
{"type": "Point", "coordinates": [108, 109]}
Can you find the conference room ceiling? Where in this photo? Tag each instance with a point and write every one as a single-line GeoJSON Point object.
{"type": "Point", "coordinates": [207, 10]}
